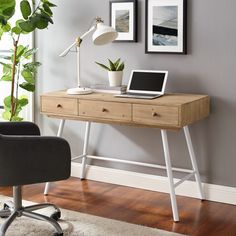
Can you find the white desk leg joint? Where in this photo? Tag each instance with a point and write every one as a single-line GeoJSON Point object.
{"type": "Point", "coordinates": [85, 149]}
{"type": "Point", "coordinates": [170, 175]}
{"type": "Point", "coordinates": [59, 134]}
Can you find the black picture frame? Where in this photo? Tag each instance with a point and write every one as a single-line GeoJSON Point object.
{"type": "Point", "coordinates": [179, 35]}
{"type": "Point", "coordinates": [121, 4]}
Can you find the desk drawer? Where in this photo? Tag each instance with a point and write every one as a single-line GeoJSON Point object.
{"type": "Point", "coordinates": [105, 110]}
{"type": "Point", "coordinates": [155, 115]}
{"type": "Point", "coordinates": [64, 106]}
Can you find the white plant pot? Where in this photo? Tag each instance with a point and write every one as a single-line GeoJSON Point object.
{"type": "Point", "coordinates": [115, 78]}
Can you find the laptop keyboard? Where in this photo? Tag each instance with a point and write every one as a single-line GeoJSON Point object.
{"type": "Point", "coordinates": [141, 96]}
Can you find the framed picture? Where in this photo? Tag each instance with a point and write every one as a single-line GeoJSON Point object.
{"type": "Point", "coordinates": [123, 17]}
{"type": "Point", "coordinates": [166, 25]}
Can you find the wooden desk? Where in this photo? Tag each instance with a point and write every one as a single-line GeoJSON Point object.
{"type": "Point", "coordinates": [169, 112]}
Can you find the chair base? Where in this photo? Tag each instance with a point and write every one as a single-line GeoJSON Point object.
{"type": "Point", "coordinates": [13, 210]}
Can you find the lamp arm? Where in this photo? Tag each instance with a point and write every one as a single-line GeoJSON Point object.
{"type": "Point", "coordinates": [64, 53]}
{"type": "Point", "coordinates": [88, 32]}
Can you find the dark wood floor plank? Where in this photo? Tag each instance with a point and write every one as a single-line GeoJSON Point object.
{"type": "Point", "coordinates": [197, 218]}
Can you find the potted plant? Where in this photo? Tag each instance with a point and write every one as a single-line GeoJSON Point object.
{"type": "Point", "coordinates": [18, 67]}
{"type": "Point", "coordinates": [115, 71]}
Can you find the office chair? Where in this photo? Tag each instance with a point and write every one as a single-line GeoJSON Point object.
{"type": "Point", "coordinates": [28, 158]}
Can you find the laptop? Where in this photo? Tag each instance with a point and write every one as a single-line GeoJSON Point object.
{"type": "Point", "coordinates": [146, 84]}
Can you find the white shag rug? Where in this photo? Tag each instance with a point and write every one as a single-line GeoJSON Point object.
{"type": "Point", "coordinates": [78, 224]}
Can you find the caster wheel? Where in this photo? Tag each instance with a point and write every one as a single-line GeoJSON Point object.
{"type": "Point", "coordinates": [56, 216]}
{"type": "Point", "coordinates": [5, 207]}
{"type": "Point", "coordinates": [57, 234]}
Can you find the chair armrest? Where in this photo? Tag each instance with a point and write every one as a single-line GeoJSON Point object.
{"type": "Point", "coordinates": [33, 159]}
{"type": "Point", "coordinates": [19, 128]}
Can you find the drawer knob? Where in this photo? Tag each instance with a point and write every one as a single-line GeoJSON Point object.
{"type": "Point", "coordinates": [59, 106]}
{"type": "Point", "coordinates": [154, 114]}
{"type": "Point", "coordinates": [104, 110]}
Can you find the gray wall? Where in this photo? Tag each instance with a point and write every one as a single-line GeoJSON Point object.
{"type": "Point", "coordinates": [209, 68]}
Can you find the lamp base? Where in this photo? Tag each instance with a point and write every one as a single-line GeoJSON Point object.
{"type": "Point", "coordinates": [79, 90]}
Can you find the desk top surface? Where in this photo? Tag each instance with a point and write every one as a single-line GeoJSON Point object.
{"type": "Point", "coordinates": [174, 99]}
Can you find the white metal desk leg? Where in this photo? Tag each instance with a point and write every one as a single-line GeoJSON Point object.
{"type": "Point", "coordinates": [59, 134]}
{"type": "Point", "coordinates": [85, 149]}
{"type": "Point", "coordinates": [193, 160]}
{"type": "Point", "coordinates": [170, 175]}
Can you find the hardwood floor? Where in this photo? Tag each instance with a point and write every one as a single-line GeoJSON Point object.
{"type": "Point", "coordinates": [198, 218]}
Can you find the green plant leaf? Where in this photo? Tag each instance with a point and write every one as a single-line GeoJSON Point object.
{"type": "Point", "coordinates": [7, 69]}
{"type": "Point", "coordinates": [42, 23]}
{"type": "Point", "coordinates": [17, 118]}
{"type": "Point", "coordinates": [32, 66]}
{"type": "Point", "coordinates": [28, 53]}
{"type": "Point", "coordinates": [117, 62]}
{"type": "Point", "coordinates": [6, 28]}
{"type": "Point", "coordinates": [7, 101]}
{"type": "Point", "coordinates": [28, 76]}
{"type": "Point", "coordinates": [27, 26]}
{"type": "Point", "coordinates": [6, 115]}
{"type": "Point", "coordinates": [28, 86]}
{"type": "Point", "coordinates": [23, 102]}
{"type": "Point", "coordinates": [3, 21]}
{"type": "Point", "coordinates": [112, 66]}
{"type": "Point", "coordinates": [46, 16]}
{"type": "Point", "coordinates": [17, 25]}
{"type": "Point", "coordinates": [121, 67]}
{"type": "Point", "coordinates": [49, 3]}
{"type": "Point", "coordinates": [9, 12]}
{"type": "Point", "coordinates": [25, 9]}
{"type": "Point", "coordinates": [6, 78]}
{"type": "Point", "coordinates": [18, 22]}
{"type": "Point", "coordinates": [7, 109]}
{"type": "Point", "coordinates": [1, 30]}
{"type": "Point", "coordinates": [47, 9]}
{"type": "Point", "coordinates": [7, 9]}
{"type": "Point", "coordinates": [18, 108]}
{"type": "Point", "coordinates": [16, 30]}
{"type": "Point", "coordinates": [20, 50]}
{"type": "Point", "coordinates": [103, 66]}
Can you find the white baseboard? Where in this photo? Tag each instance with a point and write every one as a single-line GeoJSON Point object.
{"type": "Point", "coordinates": [213, 192]}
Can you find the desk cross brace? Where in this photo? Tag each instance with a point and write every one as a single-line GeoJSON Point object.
{"type": "Point", "coordinates": [131, 163]}
{"type": "Point", "coordinates": [168, 166]}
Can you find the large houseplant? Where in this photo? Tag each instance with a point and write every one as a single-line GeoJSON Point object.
{"type": "Point", "coordinates": [19, 64]}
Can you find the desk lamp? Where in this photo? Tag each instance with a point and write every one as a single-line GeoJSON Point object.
{"type": "Point", "coordinates": [103, 35]}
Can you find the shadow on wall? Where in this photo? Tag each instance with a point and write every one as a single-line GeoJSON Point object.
{"type": "Point", "coordinates": [216, 135]}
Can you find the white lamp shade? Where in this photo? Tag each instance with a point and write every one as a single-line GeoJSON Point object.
{"type": "Point", "coordinates": [104, 34]}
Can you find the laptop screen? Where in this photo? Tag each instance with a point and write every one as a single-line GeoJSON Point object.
{"type": "Point", "coordinates": [147, 81]}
